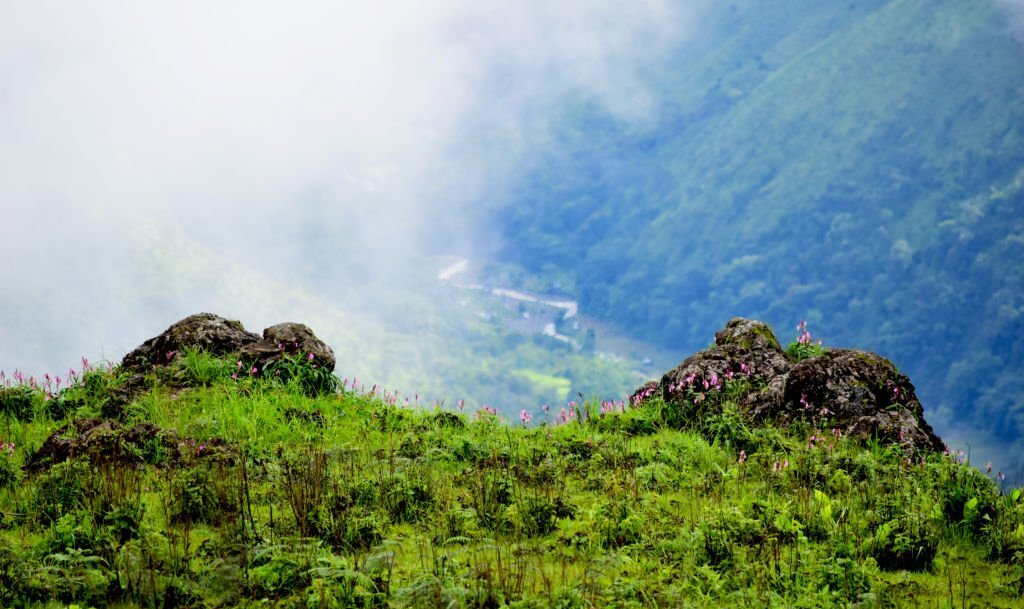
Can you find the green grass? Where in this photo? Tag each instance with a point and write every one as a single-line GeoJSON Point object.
{"type": "Point", "coordinates": [280, 498]}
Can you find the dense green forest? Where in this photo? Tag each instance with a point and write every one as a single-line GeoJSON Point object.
{"type": "Point", "coordinates": [856, 164]}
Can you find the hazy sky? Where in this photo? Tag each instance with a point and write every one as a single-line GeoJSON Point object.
{"type": "Point", "coordinates": [234, 130]}
{"type": "Point", "coordinates": [1015, 10]}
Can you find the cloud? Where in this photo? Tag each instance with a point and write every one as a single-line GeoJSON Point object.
{"type": "Point", "coordinates": [1014, 10]}
{"type": "Point", "coordinates": [271, 135]}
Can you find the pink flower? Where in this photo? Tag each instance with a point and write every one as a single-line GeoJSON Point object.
{"type": "Point", "coordinates": [525, 417]}
{"type": "Point", "coordinates": [311, 356]}
{"type": "Point", "coordinates": [743, 457]}
{"type": "Point", "coordinates": [254, 370]}
{"type": "Point", "coordinates": [988, 468]}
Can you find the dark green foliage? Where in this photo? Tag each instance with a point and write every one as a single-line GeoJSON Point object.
{"type": "Point", "coordinates": [10, 470]}
{"type": "Point", "coordinates": [61, 490]}
{"type": "Point", "coordinates": [908, 543]}
{"type": "Point", "coordinates": [967, 497]}
{"type": "Point", "coordinates": [197, 368]}
{"type": "Point", "coordinates": [311, 378]}
{"type": "Point", "coordinates": [191, 496]}
{"type": "Point", "coordinates": [618, 525]}
{"type": "Point", "coordinates": [18, 402]}
{"type": "Point", "coordinates": [304, 483]}
{"type": "Point", "coordinates": [408, 497]}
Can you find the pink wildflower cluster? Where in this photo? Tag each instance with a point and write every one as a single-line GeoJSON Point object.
{"type": "Point", "coordinates": [777, 467]}
{"type": "Point", "coordinates": [196, 448]}
{"type": "Point", "coordinates": [7, 447]}
{"type": "Point", "coordinates": [525, 417]}
{"type": "Point", "coordinates": [817, 440]}
{"type": "Point", "coordinates": [486, 413]}
{"type": "Point", "coordinates": [50, 385]}
{"type": "Point", "coordinates": [610, 406]}
{"type": "Point", "coordinates": [354, 385]}
{"type": "Point", "coordinates": [643, 394]}
{"type": "Point", "coordinates": [566, 415]}
{"type": "Point", "coordinates": [707, 382]}
{"type": "Point", "coordinates": [805, 338]}
{"type": "Point", "coordinates": [894, 390]}
{"type": "Point", "coordinates": [821, 412]}
{"type": "Point", "coordinates": [743, 457]}
{"type": "Point", "coordinates": [958, 455]}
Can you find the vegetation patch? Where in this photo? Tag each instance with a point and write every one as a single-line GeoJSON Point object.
{"type": "Point", "coordinates": [345, 499]}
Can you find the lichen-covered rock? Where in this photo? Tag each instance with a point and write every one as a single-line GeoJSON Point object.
{"type": "Point", "coordinates": [857, 392]}
{"type": "Point", "coordinates": [743, 348]}
{"type": "Point", "coordinates": [865, 393]}
{"type": "Point", "coordinates": [211, 333]}
{"type": "Point", "coordinates": [749, 334]}
{"type": "Point", "coordinates": [292, 339]}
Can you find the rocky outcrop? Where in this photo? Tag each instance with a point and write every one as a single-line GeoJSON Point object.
{"type": "Point", "coordinates": [292, 339]}
{"type": "Point", "coordinates": [744, 348]}
{"type": "Point", "coordinates": [101, 440]}
{"type": "Point", "coordinates": [105, 441]}
{"type": "Point", "coordinates": [857, 392]}
{"type": "Point", "coordinates": [866, 392]}
{"type": "Point", "coordinates": [222, 337]}
{"type": "Point", "coordinates": [211, 333]}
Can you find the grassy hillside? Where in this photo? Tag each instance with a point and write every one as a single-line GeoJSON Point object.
{"type": "Point", "coordinates": [855, 164]}
{"type": "Point", "coordinates": [213, 491]}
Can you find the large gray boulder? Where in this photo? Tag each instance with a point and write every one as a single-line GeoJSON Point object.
{"type": "Point", "coordinates": [211, 333]}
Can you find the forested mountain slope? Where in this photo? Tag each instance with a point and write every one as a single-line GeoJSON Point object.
{"type": "Point", "coordinates": [859, 165]}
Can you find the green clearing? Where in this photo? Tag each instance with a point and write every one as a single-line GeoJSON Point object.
{"type": "Point", "coordinates": [547, 383]}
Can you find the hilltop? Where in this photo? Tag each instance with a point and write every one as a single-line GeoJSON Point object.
{"type": "Point", "coordinates": [236, 475]}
